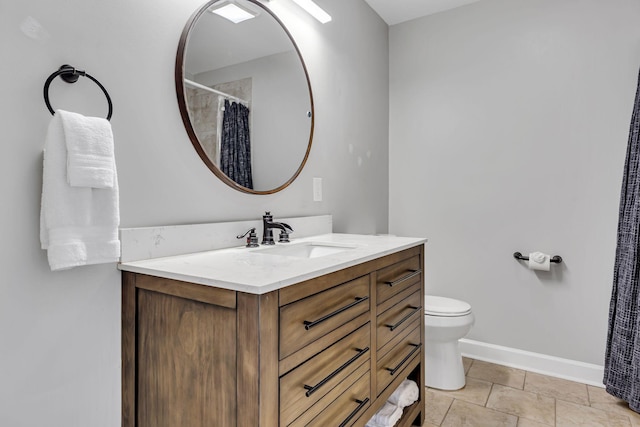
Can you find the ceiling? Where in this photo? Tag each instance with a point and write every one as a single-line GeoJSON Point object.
{"type": "Point", "coordinates": [397, 11]}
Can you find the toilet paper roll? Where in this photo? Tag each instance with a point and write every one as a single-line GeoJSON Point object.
{"type": "Point", "coordinates": [539, 261]}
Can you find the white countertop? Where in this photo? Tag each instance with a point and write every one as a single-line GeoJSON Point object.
{"type": "Point", "coordinates": [242, 269]}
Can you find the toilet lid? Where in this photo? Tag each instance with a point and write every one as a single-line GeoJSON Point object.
{"type": "Point", "coordinates": [441, 306]}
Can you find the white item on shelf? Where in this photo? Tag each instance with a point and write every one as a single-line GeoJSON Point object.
{"type": "Point", "coordinates": [387, 416]}
{"type": "Point", "coordinates": [406, 394]}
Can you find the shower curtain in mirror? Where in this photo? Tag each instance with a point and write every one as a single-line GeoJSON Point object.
{"type": "Point", "coordinates": [622, 359]}
{"type": "Point", "coordinates": [235, 151]}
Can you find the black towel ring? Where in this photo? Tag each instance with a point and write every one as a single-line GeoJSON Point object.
{"type": "Point", "coordinates": [70, 75]}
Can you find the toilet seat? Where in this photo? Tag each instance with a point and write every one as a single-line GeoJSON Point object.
{"type": "Point", "coordinates": [445, 307]}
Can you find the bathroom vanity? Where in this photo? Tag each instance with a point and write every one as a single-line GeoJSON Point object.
{"type": "Point", "coordinates": [319, 332]}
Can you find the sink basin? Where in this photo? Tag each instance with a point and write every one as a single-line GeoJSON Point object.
{"type": "Point", "coordinates": [305, 250]}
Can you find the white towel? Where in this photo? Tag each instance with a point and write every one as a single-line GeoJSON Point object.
{"type": "Point", "coordinates": [78, 225]}
{"type": "Point", "coordinates": [387, 416]}
{"type": "Point", "coordinates": [90, 157]}
{"type": "Point", "coordinates": [406, 394]}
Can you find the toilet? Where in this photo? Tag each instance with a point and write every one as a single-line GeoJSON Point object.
{"type": "Point", "coordinates": [446, 321]}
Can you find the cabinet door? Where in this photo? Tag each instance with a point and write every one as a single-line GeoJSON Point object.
{"type": "Point", "coordinates": [186, 362]}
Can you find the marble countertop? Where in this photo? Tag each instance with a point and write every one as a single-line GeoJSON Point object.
{"type": "Point", "coordinates": [248, 270]}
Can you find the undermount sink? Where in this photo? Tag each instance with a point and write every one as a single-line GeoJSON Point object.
{"type": "Point", "coordinates": [305, 250]}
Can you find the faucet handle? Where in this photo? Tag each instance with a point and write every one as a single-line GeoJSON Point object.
{"type": "Point", "coordinates": [252, 240]}
{"type": "Point", "coordinates": [284, 237]}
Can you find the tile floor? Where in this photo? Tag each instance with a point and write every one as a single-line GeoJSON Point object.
{"type": "Point", "coordinates": [497, 396]}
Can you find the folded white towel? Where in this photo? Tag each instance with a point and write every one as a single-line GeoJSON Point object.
{"type": "Point", "coordinates": [387, 416]}
{"type": "Point", "coordinates": [78, 225]}
{"type": "Point", "coordinates": [406, 394]}
{"type": "Point", "coordinates": [90, 155]}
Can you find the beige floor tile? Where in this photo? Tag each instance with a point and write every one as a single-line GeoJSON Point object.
{"type": "Point", "coordinates": [600, 395]}
{"type": "Point", "coordinates": [464, 414]}
{"type": "Point", "coordinates": [600, 399]}
{"type": "Point", "coordinates": [621, 408]}
{"type": "Point", "coordinates": [536, 401]}
{"type": "Point", "coordinates": [570, 414]}
{"type": "Point", "coordinates": [524, 404]}
{"type": "Point", "coordinates": [436, 406]}
{"type": "Point", "coordinates": [523, 422]}
{"type": "Point", "coordinates": [569, 391]}
{"type": "Point", "coordinates": [466, 364]}
{"type": "Point", "coordinates": [497, 374]}
{"type": "Point", "coordinates": [475, 391]}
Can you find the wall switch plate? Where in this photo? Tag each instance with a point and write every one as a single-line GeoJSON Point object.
{"type": "Point", "coordinates": [317, 189]}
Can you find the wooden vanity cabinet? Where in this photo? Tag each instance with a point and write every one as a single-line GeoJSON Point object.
{"type": "Point", "coordinates": [323, 352]}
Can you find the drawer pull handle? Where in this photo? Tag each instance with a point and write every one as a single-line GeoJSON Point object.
{"type": "Point", "coordinates": [308, 325]}
{"type": "Point", "coordinates": [361, 404]}
{"type": "Point", "coordinates": [407, 357]}
{"type": "Point", "coordinates": [313, 389]}
{"type": "Point", "coordinates": [413, 273]}
{"type": "Point", "coordinates": [405, 318]}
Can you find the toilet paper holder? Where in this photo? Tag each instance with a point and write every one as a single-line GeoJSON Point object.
{"type": "Point", "coordinates": [555, 259]}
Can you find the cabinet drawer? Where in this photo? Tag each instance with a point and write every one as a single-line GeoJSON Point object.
{"type": "Point", "coordinates": [396, 298]}
{"type": "Point", "coordinates": [392, 363]}
{"type": "Point", "coordinates": [308, 319]}
{"type": "Point", "coordinates": [395, 320]}
{"type": "Point", "coordinates": [397, 277]}
{"type": "Point", "coordinates": [343, 408]}
{"type": "Point", "coordinates": [396, 340]}
{"type": "Point", "coordinates": [311, 381]}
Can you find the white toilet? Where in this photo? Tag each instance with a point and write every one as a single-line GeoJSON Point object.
{"type": "Point", "coordinates": [446, 321]}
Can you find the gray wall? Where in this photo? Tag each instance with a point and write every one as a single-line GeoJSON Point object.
{"type": "Point", "coordinates": [60, 332]}
{"type": "Point", "coordinates": [508, 129]}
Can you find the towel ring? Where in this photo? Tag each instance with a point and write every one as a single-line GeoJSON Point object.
{"type": "Point", "coordinates": [70, 75]}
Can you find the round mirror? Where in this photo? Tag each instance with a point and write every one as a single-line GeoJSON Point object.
{"type": "Point", "coordinates": [244, 95]}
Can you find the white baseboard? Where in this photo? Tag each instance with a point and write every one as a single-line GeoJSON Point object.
{"type": "Point", "coordinates": [567, 369]}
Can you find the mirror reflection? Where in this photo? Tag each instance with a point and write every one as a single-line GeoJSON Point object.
{"type": "Point", "coordinates": [244, 96]}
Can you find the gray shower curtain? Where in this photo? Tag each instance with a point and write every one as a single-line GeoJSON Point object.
{"type": "Point", "coordinates": [235, 151]}
{"type": "Point", "coordinates": [622, 359]}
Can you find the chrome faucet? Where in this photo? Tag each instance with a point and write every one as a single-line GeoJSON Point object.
{"type": "Point", "coordinates": [267, 230]}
